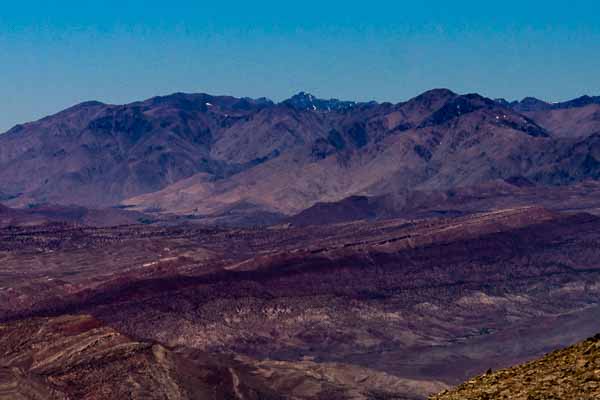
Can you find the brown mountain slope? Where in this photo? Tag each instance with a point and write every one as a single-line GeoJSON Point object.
{"type": "Point", "coordinates": [569, 122]}
{"type": "Point", "coordinates": [569, 374]}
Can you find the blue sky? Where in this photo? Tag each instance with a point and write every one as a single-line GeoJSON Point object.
{"type": "Point", "coordinates": [54, 54]}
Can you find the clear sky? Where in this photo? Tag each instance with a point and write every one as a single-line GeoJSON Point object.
{"type": "Point", "coordinates": [54, 54]}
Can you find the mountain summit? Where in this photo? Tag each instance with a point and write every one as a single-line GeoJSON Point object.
{"type": "Point", "coordinates": [306, 101]}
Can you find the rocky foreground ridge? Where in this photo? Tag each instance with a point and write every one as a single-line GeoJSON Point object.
{"type": "Point", "coordinates": [569, 374]}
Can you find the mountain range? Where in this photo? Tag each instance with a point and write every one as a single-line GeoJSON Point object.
{"type": "Point", "coordinates": [195, 246]}
{"type": "Point", "coordinates": [253, 161]}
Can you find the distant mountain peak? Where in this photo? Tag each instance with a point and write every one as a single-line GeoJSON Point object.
{"type": "Point", "coordinates": [534, 104]}
{"type": "Point", "coordinates": [304, 95]}
{"type": "Point", "coordinates": [433, 98]}
{"type": "Point", "coordinates": [438, 92]}
{"type": "Point", "coordinates": [306, 101]}
{"type": "Point", "coordinates": [529, 104]}
{"type": "Point", "coordinates": [90, 103]}
{"type": "Point", "coordinates": [582, 101]}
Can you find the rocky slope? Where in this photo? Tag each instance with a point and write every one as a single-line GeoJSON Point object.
{"type": "Point", "coordinates": [569, 374]}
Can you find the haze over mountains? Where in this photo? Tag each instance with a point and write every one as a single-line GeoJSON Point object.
{"type": "Point", "coordinates": [252, 161]}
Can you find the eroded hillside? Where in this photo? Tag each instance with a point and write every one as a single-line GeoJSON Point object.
{"type": "Point", "coordinates": [412, 305]}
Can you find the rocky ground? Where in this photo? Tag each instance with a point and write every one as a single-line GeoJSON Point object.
{"type": "Point", "coordinates": [569, 374]}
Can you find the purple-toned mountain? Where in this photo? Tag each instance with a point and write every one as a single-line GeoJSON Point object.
{"type": "Point", "coordinates": [436, 141]}
{"type": "Point", "coordinates": [95, 154]}
{"type": "Point", "coordinates": [219, 156]}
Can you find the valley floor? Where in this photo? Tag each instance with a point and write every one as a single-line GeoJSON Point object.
{"type": "Point", "coordinates": [390, 309]}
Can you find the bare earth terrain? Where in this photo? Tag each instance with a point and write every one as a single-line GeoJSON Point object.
{"type": "Point", "coordinates": [400, 308]}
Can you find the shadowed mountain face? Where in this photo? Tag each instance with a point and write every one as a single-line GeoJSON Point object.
{"type": "Point", "coordinates": [244, 160]}
{"type": "Point", "coordinates": [396, 308]}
